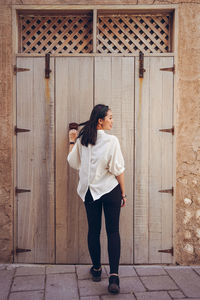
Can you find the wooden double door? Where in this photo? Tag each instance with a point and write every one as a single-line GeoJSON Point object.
{"type": "Point", "coordinates": [50, 217]}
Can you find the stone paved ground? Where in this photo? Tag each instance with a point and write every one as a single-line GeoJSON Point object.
{"type": "Point", "coordinates": [68, 282]}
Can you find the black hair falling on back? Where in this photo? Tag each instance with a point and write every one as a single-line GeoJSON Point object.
{"type": "Point", "coordinates": [88, 133]}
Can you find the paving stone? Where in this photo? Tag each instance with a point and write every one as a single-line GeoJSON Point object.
{"type": "Point", "coordinates": [176, 294]}
{"type": "Point", "coordinates": [130, 285]}
{"type": "Point", "coordinates": [158, 283]}
{"type": "Point", "coordinates": [197, 269]}
{"type": "Point", "coordinates": [90, 298]}
{"type": "Point", "coordinates": [187, 280]}
{"type": "Point", "coordinates": [150, 270]}
{"type": "Point", "coordinates": [10, 267]}
{"type": "Point", "coordinates": [2, 267]}
{"type": "Point", "coordinates": [31, 283]}
{"type": "Point", "coordinates": [153, 296]}
{"type": "Point", "coordinates": [119, 297]}
{"type": "Point", "coordinates": [30, 295]}
{"type": "Point", "coordinates": [83, 272]}
{"type": "Point", "coordinates": [177, 268]}
{"type": "Point", "coordinates": [60, 269]}
{"type": "Point", "coordinates": [61, 287]}
{"type": "Point", "coordinates": [30, 270]}
{"type": "Point", "coordinates": [91, 288]}
{"type": "Point", "coordinates": [5, 282]}
{"type": "Point", "coordinates": [124, 271]}
{"type": "Point", "coordinates": [5, 272]}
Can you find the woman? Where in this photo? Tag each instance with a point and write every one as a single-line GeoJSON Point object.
{"type": "Point", "coordinates": [98, 158]}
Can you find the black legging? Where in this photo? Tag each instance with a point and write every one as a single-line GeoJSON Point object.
{"type": "Point", "coordinates": [111, 203]}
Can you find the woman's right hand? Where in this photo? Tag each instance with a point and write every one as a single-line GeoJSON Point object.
{"type": "Point", "coordinates": [123, 203]}
{"type": "Point", "coordinates": [73, 133]}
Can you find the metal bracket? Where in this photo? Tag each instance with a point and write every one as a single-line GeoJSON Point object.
{"type": "Point", "coordinates": [18, 130]}
{"type": "Point", "coordinates": [168, 191]}
{"type": "Point", "coordinates": [171, 251]}
{"type": "Point", "coordinates": [170, 130]}
{"type": "Point", "coordinates": [18, 191]}
{"type": "Point", "coordinates": [141, 65]}
{"type": "Point", "coordinates": [47, 65]}
{"type": "Point", "coordinates": [20, 250]}
{"type": "Point", "coordinates": [16, 69]}
{"type": "Point", "coordinates": [171, 69]}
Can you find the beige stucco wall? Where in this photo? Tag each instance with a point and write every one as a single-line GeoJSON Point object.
{"type": "Point", "coordinates": [187, 134]}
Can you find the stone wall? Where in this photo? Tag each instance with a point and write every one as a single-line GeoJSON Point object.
{"type": "Point", "coordinates": [188, 137]}
{"type": "Point", "coordinates": [6, 133]}
{"type": "Point", "coordinates": [187, 235]}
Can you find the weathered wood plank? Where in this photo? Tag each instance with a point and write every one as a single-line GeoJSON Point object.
{"type": "Point", "coordinates": [101, 5]}
{"type": "Point", "coordinates": [114, 86]}
{"type": "Point", "coordinates": [127, 145]}
{"type": "Point", "coordinates": [35, 161]}
{"type": "Point", "coordinates": [96, 54]}
{"type": "Point", "coordinates": [86, 88]}
{"type": "Point", "coordinates": [167, 157]}
{"type": "Point", "coordinates": [25, 218]}
{"type": "Point", "coordinates": [141, 201]}
{"type": "Point", "coordinates": [74, 101]}
{"type": "Point", "coordinates": [155, 167]}
{"type": "Point", "coordinates": [103, 95]}
{"type": "Point", "coordinates": [161, 151]}
{"type": "Point", "coordinates": [153, 171]}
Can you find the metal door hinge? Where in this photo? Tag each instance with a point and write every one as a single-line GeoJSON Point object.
{"type": "Point", "coordinates": [18, 191]}
{"type": "Point", "coordinates": [20, 250]}
{"type": "Point", "coordinates": [16, 69]}
{"type": "Point", "coordinates": [17, 130]}
{"type": "Point", "coordinates": [47, 65]}
{"type": "Point", "coordinates": [141, 65]}
{"type": "Point", "coordinates": [171, 251]}
{"type": "Point", "coordinates": [170, 130]}
{"type": "Point", "coordinates": [171, 69]}
{"type": "Point", "coordinates": [169, 191]}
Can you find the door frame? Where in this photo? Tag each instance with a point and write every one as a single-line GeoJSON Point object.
{"type": "Point", "coordinates": [148, 8]}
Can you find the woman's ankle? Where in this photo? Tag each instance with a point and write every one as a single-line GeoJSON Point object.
{"type": "Point", "coordinates": [97, 269]}
{"type": "Point", "coordinates": [114, 274]}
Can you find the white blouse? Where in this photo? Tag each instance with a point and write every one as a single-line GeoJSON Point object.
{"type": "Point", "coordinates": [97, 164]}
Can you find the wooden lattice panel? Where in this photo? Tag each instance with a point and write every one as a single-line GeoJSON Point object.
{"type": "Point", "coordinates": [128, 34]}
{"type": "Point", "coordinates": [64, 34]}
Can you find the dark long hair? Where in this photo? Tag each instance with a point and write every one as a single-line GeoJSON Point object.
{"type": "Point", "coordinates": [88, 133]}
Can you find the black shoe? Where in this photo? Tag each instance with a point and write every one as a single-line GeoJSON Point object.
{"type": "Point", "coordinates": [114, 284]}
{"type": "Point", "coordinates": [96, 275]}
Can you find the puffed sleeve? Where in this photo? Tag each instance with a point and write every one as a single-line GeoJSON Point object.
{"type": "Point", "coordinates": [73, 157]}
{"type": "Point", "coordinates": [116, 162]}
